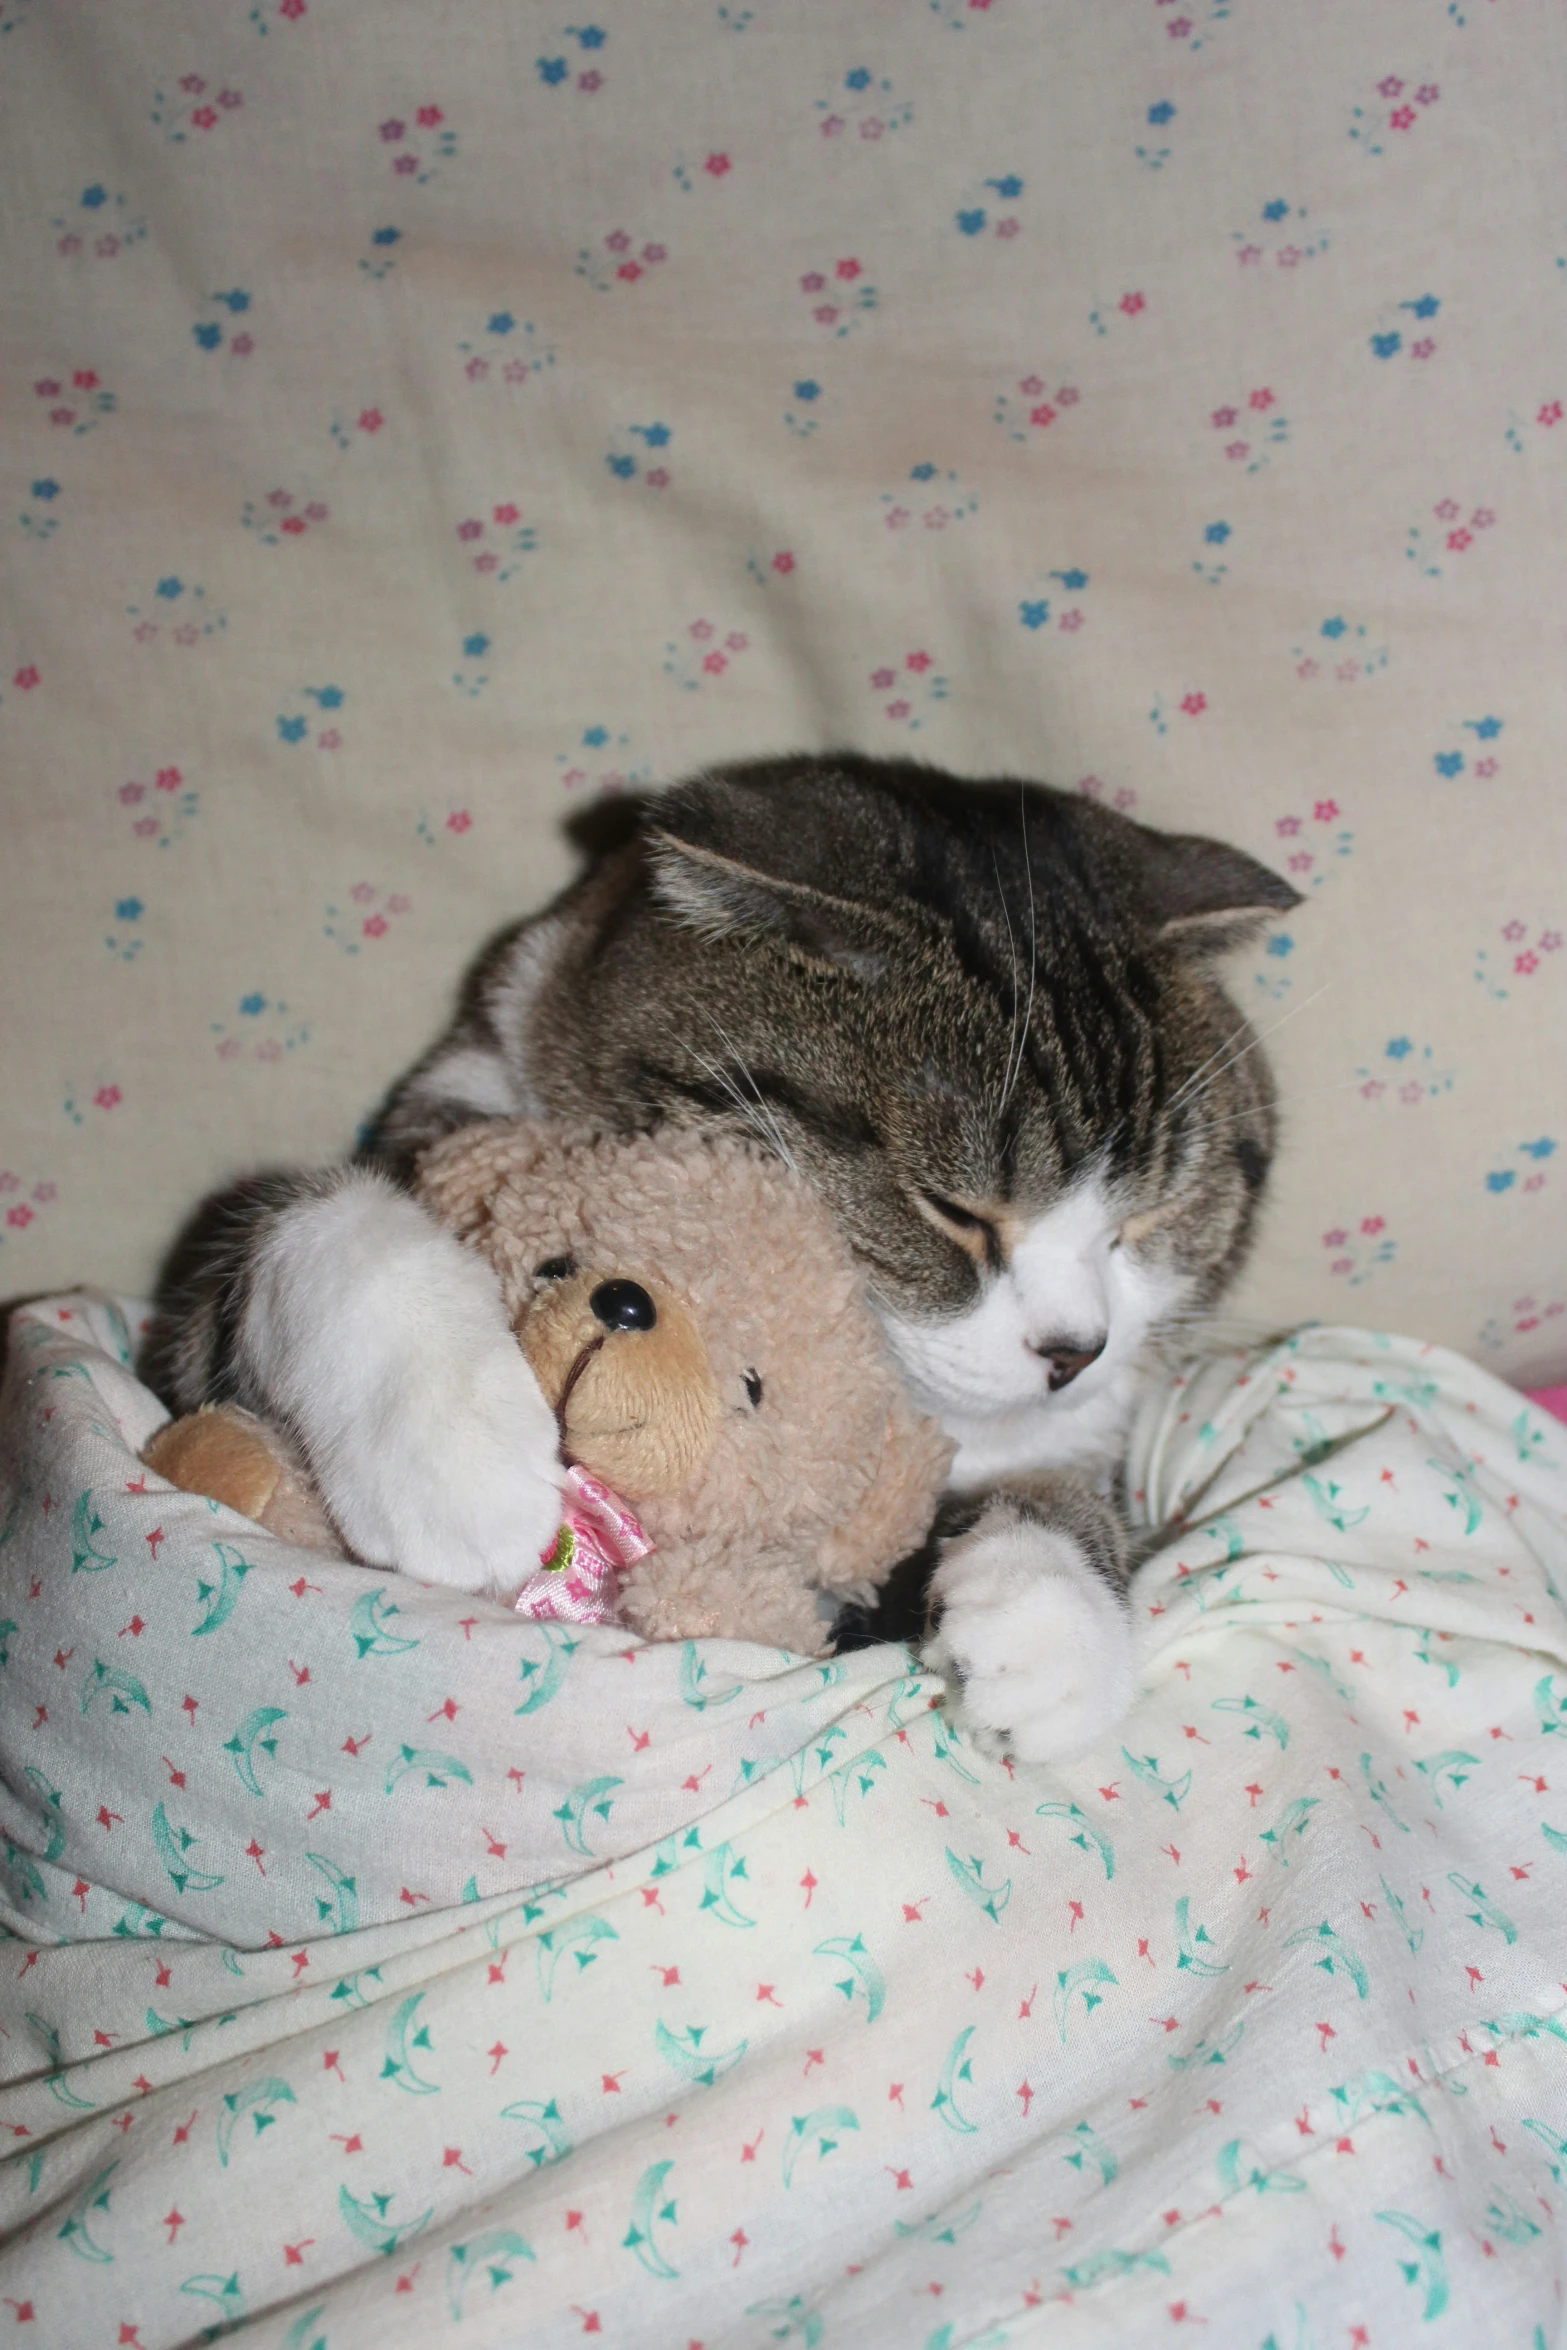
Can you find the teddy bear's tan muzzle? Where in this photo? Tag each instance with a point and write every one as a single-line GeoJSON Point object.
{"type": "Point", "coordinates": [637, 1402]}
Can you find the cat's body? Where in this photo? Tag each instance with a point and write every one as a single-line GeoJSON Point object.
{"type": "Point", "coordinates": [979, 1018]}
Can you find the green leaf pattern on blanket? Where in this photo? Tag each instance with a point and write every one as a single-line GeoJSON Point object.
{"type": "Point", "coordinates": [380, 1966]}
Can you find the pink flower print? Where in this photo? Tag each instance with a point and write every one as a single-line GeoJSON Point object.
{"type": "Point", "coordinates": [1402, 118]}
{"type": "Point", "coordinates": [515, 371]}
{"type": "Point", "coordinates": [1068, 396]}
{"type": "Point", "coordinates": [145, 631]}
{"type": "Point", "coordinates": [507, 515]}
{"type": "Point", "coordinates": [361, 893]}
{"type": "Point", "coordinates": [45, 1192]}
{"type": "Point", "coordinates": [898, 518]}
{"type": "Point", "coordinates": [406, 164]}
{"type": "Point", "coordinates": [936, 518]}
{"type": "Point", "coordinates": [229, 99]}
{"type": "Point", "coordinates": [130, 793]}
{"type": "Point", "coordinates": [573, 777]}
{"type": "Point", "coordinates": [281, 499]}
{"type": "Point", "coordinates": [84, 380]}
{"type": "Point", "coordinates": [229, 1049]}
{"type": "Point", "coordinates": [701, 630]}
{"type": "Point", "coordinates": [62, 416]}
{"type": "Point", "coordinates": [315, 511]}
{"type": "Point", "coordinates": [145, 827]}
{"type": "Point", "coordinates": [715, 664]}
{"type": "Point", "coordinates": [716, 166]}
{"type": "Point", "coordinates": [736, 642]}
{"type": "Point", "coordinates": [1261, 400]}
{"type": "Point", "coordinates": [107, 1097]}
{"type": "Point", "coordinates": [476, 370]}
{"type": "Point", "coordinates": [19, 1217]}
{"type": "Point", "coordinates": [590, 81]}
{"type": "Point", "coordinates": [897, 709]}
{"type": "Point", "coordinates": [848, 271]}
{"type": "Point", "coordinates": [25, 679]}
{"type": "Point", "coordinates": [1457, 540]}
{"type": "Point", "coordinates": [1372, 1090]}
{"type": "Point", "coordinates": [69, 246]}
{"type": "Point", "coordinates": [1306, 669]}
{"type": "Point", "coordinates": [1249, 255]}
{"type": "Point", "coordinates": [656, 478]}
{"type": "Point", "coordinates": [1130, 304]}
{"type": "Point", "coordinates": [269, 1049]}
{"type": "Point", "coordinates": [1008, 227]}
{"type": "Point", "coordinates": [834, 127]}
{"type": "Point", "coordinates": [370, 420]}
{"type": "Point", "coordinates": [486, 563]}
{"type": "Point", "coordinates": [1334, 1239]}
{"type": "Point", "coordinates": [1179, 28]}
{"type": "Point", "coordinates": [812, 283]}
{"type": "Point", "coordinates": [204, 117]}
{"type": "Point", "coordinates": [1424, 349]}
{"type": "Point", "coordinates": [1411, 1093]}
{"type": "Point", "coordinates": [1485, 769]}
{"type": "Point", "coordinates": [1391, 88]}
{"type": "Point", "coordinates": [1514, 929]}
{"type": "Point", "coordinates": [872, 128]}
{"type": "Point", "coordinates": [654, 254]}
{"type": "Point", "coordinates": [169, 779]}
{"type": "Point", "coordinates": [1534, 1182]}
{"type": "Point", "coordinates": [1325, 811]}
{"type": "Point", "coordinates": [881, 679]}
{"type": "Point", "coordinates": [1235, 450]}
{"type": "Point", "coordinates": [1347, 672]}
{"type": "Point", "coordinates": [1372, 1225]}
{"type": "Point", "coordinates": [1301, 861]}
{"type": "Point", "coordinates": [292, 9]}
{"type": "Point", "coordinates": [1446, 510]}
{"type": "Point", "coordinates": [1194, 704]}
{"type": "Point", "coordinates": [783, 561]}
{"type": "Point", "coordinates": [192, 84]}
{"type": "Point", "coordinates": [392, 132]}
{"type": "Point", "coordinates": [470, 530]}
{"type": "Point", "coordinates": [918, 662]}
{"type": "Point", "coordinates": [1482, 518]}
{"type": "Point", "coordinates": [826, 315]}
{"type": "Point", "coordinates": [1427, 94]}
{"type": "Point", "coordinates": [9, 1182]}
{"type": "Point", "coordinates": [293, 523]}
{"type": "Point", "coordinates": [331, 740]}
{"type": "Point", "coordinates": [1223, 418]}
{"type": "Point", "coordinates": [629, 272]}
{"type": "Point", "coordinates": [1071, 621]}
{"type": "Point", "coordinates": [1550, 414]}
{"type": "Point", "coordinates": [617, 241]}
{"type": "Point", "coordinates": [1550, 941]}
{"type": "Point", "coordinates": [1030, 387]}
{"type": "Point", "coordinates": [1042, 415]}
{"type": "Point", "coordinates": [242, 346]}
{"type": "Point", "coordinates": [429, 118]}
{"type": "Point", "coordinates": [106, 248]}
{"type": "Point", "coordinates": [375, 926]}
{"type": "Point", "coordinates": [188, 635]}
{"type": "Point", "coordinates": [398, 905]}
{"type": "Point", "coordinates": [1525, 963]}
{"type": "Point", "coordinates": [459, 820]}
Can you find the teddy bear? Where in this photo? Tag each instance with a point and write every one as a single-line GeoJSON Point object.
{"type": "Point", "coordinates": [740, 1451]}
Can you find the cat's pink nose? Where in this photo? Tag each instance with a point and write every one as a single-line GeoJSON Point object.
{"type": "Point", "coordinates": [1068, 1356]}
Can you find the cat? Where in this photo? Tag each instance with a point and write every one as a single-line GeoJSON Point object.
{"type": "Point", "coordinates": [981, 1017]}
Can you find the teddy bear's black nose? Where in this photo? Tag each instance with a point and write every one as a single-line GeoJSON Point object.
{"type": "Point", "coordinates": [623, 1305]}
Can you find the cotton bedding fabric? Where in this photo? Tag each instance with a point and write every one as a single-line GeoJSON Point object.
{"type": "Point", "coordinates": [423, 418]}
{"type": "Point", "coordinates": [385, 1970]}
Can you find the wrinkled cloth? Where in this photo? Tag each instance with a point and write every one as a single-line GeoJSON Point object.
{"type": "Point", "coordinates": [579, 1581]}
{"type": "Point", "coordinates": [385, 1970]}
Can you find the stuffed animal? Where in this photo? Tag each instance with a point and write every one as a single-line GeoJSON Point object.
{"type": "Point", "coordinates": [737, 1440]}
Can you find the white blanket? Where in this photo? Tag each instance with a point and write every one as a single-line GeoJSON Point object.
{"type": "Point", "coordinates": [386, 1971]}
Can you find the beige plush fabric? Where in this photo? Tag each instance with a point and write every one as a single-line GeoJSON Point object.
{"type": "Point", "coordinates": [422, 418]}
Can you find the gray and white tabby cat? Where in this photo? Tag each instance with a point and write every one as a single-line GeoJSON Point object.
{"type": "Point", "coordinates": [982, 1018]}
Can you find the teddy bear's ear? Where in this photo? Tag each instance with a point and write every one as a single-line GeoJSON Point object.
{"type": "Point", "coordinates": [894, 1512]}
{"type": "Point", "coordinates": [719, 897]}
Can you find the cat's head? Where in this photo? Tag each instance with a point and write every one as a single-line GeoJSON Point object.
{"type": "Point", "coordinates": [983, 1019]}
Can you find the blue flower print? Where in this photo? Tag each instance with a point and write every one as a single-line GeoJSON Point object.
{"type": "Point", "coordinates": [326, 697]}
{"type": "Point", "coordinates": [1502, 1180]}
{"type": "Point", "coordinates": [1426, 307]}
{"type": "Point", "coordinates": [128, 910]}
{"type": "Point", "coordinates": [971, 222]}
{"type": "Point", "coordinates": [595, 737]}
{"type": "Point", "coordinates": [1399, 1048]}
{"type": "Point", "coordinates": [1277, 210]}
{"type": "Point", "coordinates": [1216, 533]}
{"type": "Point", "coordinates": [501, 324]}
{"type": "Point", "coordinates": [1486, 729]}
{"type": "Point", "coordinates": [170, 588]}
{"type": "Point", "coordinates": [1281, 944]}
{"type": "Point", "coordinates": [1334, 627]}
{"type": "Point", "coordinates": [1449, 762]}
{"type": "Point", "coordinates": [1543, 1149]}
{"type": "Point", "coordinates": [551, 70]}
{"type": "Point", "coordinates": [858, 80]}
{"type": "Point", "coordinates": [1384, 346]}
{"type": "Point", "coordinates": [94, 196]}
{"type": "Point", "coordinates": [1073, 581]}
{"type": "Point", "coordinates": [588, 36]}
{"type": "Point", "coordinates": [1161, 114]}
{"type": "Point", "coordinates": [475, 647]}
{"type": "Point", "coordinates": [46, 489]}
{"type": "Point", "coordinates": [1034, 615]}
{"type": "Point", "coordinates": [1007, 188]}
{"type": "Point", "coordinates": [925, 472]}
{"type": "Point", "coordinates": [291, 730]}
{"type": "Point", "coordinates": [621, 467]}
{"type": "Point", "coordinates": [208, 336]}
{"type": "Point", "coordinates": [656, 436]}
{"type": "Point", "coordinates": [387, 236]}
{"type": "Point", "coordinates": [252, 1005]}
{"type": "Point", "coordinates": [807, 391]}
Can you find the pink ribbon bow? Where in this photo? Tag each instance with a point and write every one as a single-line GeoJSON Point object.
{"type": "Point", "coordinates": [579, 1581]}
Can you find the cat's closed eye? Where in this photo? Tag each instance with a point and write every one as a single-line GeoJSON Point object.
{"type": "Point", "coordinates": [975, 1234]}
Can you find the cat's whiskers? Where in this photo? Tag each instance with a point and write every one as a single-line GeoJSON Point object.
{"type": "Point", "coordinates": [1015, 1066]}
{"type": "Point", "coordinates": [757, 1114]}
{"type": "Point", "coordinates": [1193, 1092]}
{"type": "Point", "coordinates": [1006, 913]}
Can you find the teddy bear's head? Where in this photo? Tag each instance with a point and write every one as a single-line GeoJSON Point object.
{"type": "Point", "coordinates": [694, 1318]}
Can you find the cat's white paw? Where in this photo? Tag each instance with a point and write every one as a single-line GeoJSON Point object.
{"type": "Point", "coordinates": [1035, 1646]}
{"type": "Point", "coordinates": [383, 1344]}
{"type": "Point", "coordinates": [462, 1483]}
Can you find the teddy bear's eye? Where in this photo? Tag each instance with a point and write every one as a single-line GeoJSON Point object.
{"type": "Point", "coordinates": [555, 1269]}
{"type": "Point", "coordinates": [753, 1388]}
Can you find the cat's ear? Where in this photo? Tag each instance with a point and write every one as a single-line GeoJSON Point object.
{"type": "Point", "coordinates": [1203, 892]}
{"type": "Point", "coordinates": [722, 898]}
